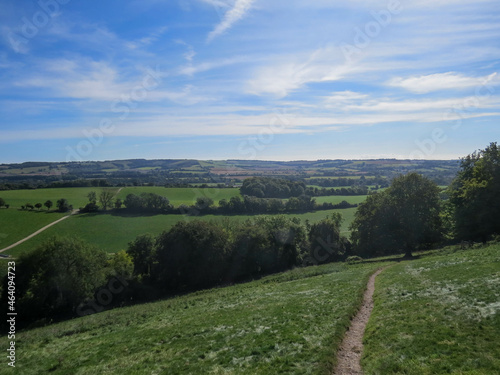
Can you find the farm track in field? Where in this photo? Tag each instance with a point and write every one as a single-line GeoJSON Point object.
{"type": "Point", "coordinates": [38, 231]}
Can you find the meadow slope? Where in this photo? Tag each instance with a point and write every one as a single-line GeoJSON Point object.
{"type": "Point", "coordinates": [289, 323]}
{"type": "Point", "coordinates": [437, 315]}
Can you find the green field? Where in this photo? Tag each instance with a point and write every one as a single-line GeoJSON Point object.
{"type": "Point", "coordinates": [113, 232]}
{"type": "Point", "coordinates": [290, 323]}
{"type": "Point", "coordinates": [16, 224]}
{"type": "Point", "coordinates": [178, 196]}
{"type": "Point", "coordinates": [437, 315]}
{"type": "Point", "coordinates": [75, 196]}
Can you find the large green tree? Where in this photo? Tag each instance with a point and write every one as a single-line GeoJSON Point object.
{"type": "Point", "coordinates": [252, 252]}
{"type": "Point", "coordinates": [326, 243]}
{"type": "Point", "coordinates": [143, 253]}
{"type": "Point", "coordinates": [400, 219]}
{"type": "Point", "coordinates": [62, 205]}
{"type": "Point", "coordinates": [475, 195]}
{"type": "Point", "coordinates": [57, 276]}
{"type": "Point", "coordinates": [105, 198]}
{"type": "Point", "coordinates": [48, 204]}
{"type": "Point", "coordinates": [192, 254]}
{"type": "Point", "coordinates": [288, 240]}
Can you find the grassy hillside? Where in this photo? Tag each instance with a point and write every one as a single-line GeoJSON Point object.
{"type": "Point", "coordinates": [437, 315]}
{"type": "Point", "coordinates": [113, 232]}
{"type": "Point", "coordinates": [289, 323]}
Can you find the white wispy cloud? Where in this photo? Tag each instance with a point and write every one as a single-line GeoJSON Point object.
{"type": "Point", "coordinates": [280, 79]}
{"type": "Point", "coordinates": [233, 15]}
{"type": "Point", "coordinates": [148, 39]}
{"type": "Point", "coordinates": [192, 69]}
{"type": "Point", "coordinates": [442, 81]}
{"type": "Point", "coordinates": [77, 79]}
{"type": "Point", "coordinates": [344, 97]}
{"type": "Point", "coordinates": [164, 126]}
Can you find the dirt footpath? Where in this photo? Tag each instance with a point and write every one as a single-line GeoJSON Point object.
{"type": "Point", "coordinates": [349, 354]}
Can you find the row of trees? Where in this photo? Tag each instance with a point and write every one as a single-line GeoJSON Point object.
{"type": "Point", "coordinates": [62, 205]}
{"type": "Point", "coordinates": [150, 202]}
{"type": "Point", "coordinates": [199, 254]}
{"type": "Point", "coordinates": [410, 215]}
{"type": "Point", "coordinates": [266, 187]}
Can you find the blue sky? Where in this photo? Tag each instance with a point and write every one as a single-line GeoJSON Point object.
{"type": "Point", "coordinates": [248, 79]}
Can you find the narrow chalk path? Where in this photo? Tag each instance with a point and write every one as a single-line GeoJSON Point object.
{"type": "Point", "coordinates": [349, 354]}
{"type": "Point", "coordinates": [48, 226]}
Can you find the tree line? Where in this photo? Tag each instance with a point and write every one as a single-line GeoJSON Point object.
{"type": "Point", "coordinates": [151, 203]}
{"type": "Point", "coordinates": [268, 187]}
{"type": "Point", "coordinates": [61, 204]}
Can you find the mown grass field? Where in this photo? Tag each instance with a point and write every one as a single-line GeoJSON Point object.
{"type": "Point", "coordinates": [437, 315]}
{"type": "Point", "coordinates": [113, 232]}
{"type": "Point", "coordinates": [16, 224]}
{"type": "Point", "coordinates": [290, 323]}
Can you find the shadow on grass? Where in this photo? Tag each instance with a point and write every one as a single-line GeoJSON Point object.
{"type": "Point", "coordinates": [41, 211]}
{"type": "Point", "coordinates": [120, 214]}
{"type": "Point", "coordinates": [124, 213]}
{"type": "Point", "coordinates": [398, 258]}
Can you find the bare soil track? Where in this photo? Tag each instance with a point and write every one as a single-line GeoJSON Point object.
{"type": "Point", "coordinates": [349, 354]}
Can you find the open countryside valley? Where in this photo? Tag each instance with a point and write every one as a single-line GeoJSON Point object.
{"type": "Point", "coordinates": [274, 256]}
